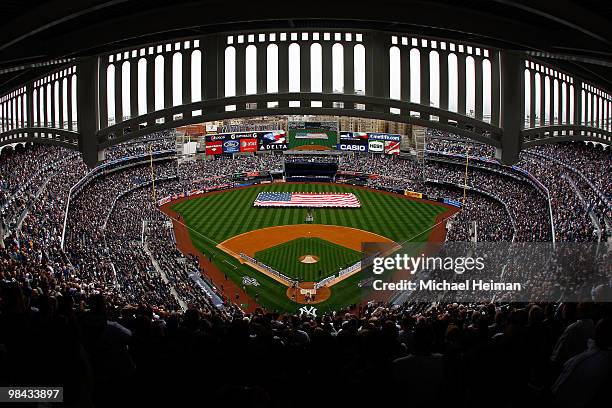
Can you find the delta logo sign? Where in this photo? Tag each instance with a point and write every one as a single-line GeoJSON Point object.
{"type": "Point", "coordinates": [276, 140]}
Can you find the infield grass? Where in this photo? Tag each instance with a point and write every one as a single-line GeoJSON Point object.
{"type": "Point", "coordinates": [285, 258]}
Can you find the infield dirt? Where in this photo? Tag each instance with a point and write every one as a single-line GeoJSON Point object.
{"type": "Point", "coordinates": [258, 240]}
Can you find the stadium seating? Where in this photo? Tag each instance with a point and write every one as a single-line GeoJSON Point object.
{"type": "Point", "coordinates": [118, 308]}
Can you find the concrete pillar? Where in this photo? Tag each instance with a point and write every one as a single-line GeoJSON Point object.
{"type": "Point", "coordinates": [88, 108]}
{"type": "Point", "coordinates": [512, 79]}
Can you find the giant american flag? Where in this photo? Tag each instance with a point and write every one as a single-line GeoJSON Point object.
{"type": "Point", "coordinates": [278, 199]}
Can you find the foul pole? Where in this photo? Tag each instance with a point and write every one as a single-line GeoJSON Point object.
{"type": "Point", "coordinates": [152, 173]}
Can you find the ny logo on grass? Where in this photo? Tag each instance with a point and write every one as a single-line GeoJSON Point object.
{"type": "Point", "coordinates": [248, 281]}
{"type": "Point", "coordinates": [308, 311]}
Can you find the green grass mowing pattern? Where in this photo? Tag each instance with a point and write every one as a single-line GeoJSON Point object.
{"type": "Point", "coordinates": [330, 142]}
{"type": "Point", "coordinates": [285, 258]}
{"type": "Point", "coordinates": [221, 216]}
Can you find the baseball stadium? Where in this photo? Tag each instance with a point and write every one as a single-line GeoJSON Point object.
{"type": "Point", "coordinates": [336, 204]}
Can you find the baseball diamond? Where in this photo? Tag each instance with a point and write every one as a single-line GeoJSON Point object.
{"type": "Point", "coordinates": [328, 258]}
{"type": "Point", "coordinates": [224, 224]}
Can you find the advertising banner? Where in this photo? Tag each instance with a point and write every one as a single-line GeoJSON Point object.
{"type": "Point", "coordinates": [454, 203]}
{"type": "Point", "coordinates": [353, 145]}
{"type": "Point", "coordinates": [215, 147]}
{"type": "Point", "coordinates": [233, 136]}
{"type": "Point", "coordinates": [385, 137]}
{"type": "Point", "coordinates": [275, 140]}
{"type": "Point", "coordinates": [413, 194]}
{"type": "Point", "coordinates": [392, 147]}
{"type": "Point", "coordinates": [248, 145]}
{"type": "Point", "coordinates": [215, 137]}
{"type": "Point", "coordinates": [376, 146]}
{"type": "Point", "coordinates": [353, 135]}
{"type": "Point", "coordinates": [164, 201]}
{"type": "Point", "coordinates": [243, 135]}
{"type": "Point", "coordinates": [231, 146]}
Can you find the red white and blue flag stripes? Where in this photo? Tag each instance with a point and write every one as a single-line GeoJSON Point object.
{"type": "Point", "coordinates": [319, 200]}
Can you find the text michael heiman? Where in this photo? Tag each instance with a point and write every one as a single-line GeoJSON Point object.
{"type": "Point", "coordinates": [444, 285]}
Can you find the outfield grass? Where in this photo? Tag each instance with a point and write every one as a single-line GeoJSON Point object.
{"type": "Point", "coordinates": [214, 218]}
{"type": "Point", "coordinates": [330, 142]}
{"type": "Point", "coordinates": [285, 258]}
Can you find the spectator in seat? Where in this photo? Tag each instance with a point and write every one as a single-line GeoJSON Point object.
{"type": "Point", "coordinates": [574, 338]}
{"type": "Point", "coordinates": [586, 377]}
{"type": "Point", "coordinates": [421, 371]}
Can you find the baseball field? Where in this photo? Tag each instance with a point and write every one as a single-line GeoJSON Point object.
{"type": "Point", "coordinates": [312, 139]}
{"type": "Point", "coordinates": [221, 225]}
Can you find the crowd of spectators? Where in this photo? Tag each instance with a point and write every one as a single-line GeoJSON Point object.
{"type": "Point", "coordinates": [465, 355]}
{"type": "Point", "coordinates": [151, 143]}
{"type": "Point", "coordinates": [104, 316]}
{"type": "Point", "coordinates": [23, 174]}
{"type": "Point", "coordinates": [454, 146]}
{"type": "Point", "coordinates": [590, 167]}
{"type": "Point", "coordinates": [482, 218]}
{"type": "Point", "coordinates": [594, 161]}
{"type": "Point", "coordinates": [528, 208]}
{"type": "Point", "coordinates": [570, 211]}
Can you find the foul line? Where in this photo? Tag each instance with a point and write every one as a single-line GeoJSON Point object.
{"type": "Point", "coordinates": [230, 264]}
{"type": "Point", "coordinates": [428, 229]}
{"type": "Point", "coordinates": [189, 228]}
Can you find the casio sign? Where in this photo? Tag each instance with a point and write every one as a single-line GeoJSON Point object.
{"type": "Point", "coordinates": [352, 147]}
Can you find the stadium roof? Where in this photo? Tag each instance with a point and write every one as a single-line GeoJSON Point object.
{"type": "Point", "coordinates": [574, 35]}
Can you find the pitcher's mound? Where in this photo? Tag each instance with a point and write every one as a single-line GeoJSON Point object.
{"type": "Point", "coordinates": [309, 259]}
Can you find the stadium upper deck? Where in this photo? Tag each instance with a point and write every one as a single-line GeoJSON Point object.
{"type": "Point", "coordinates": [512, 78]}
